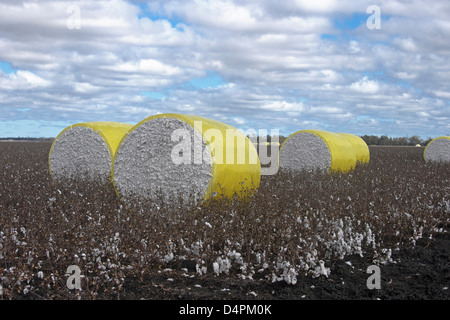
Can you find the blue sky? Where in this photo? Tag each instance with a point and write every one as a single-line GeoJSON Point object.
{"type": "Point", "coordinates": [264, 64]}
{"type": "Point", "coordinates": [6, 67]}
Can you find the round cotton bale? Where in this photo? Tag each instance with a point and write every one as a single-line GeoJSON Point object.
{"type": "Point", "coordinates": [362, 152]}
{"type": "Point", "coordinates": [317, 150]}
{"type": "Point", "coordinates": [85, 149]}
{"type": "Point", "coordinates": [156, 159]}
{"type": "Point", "coordinates": [438, 150]}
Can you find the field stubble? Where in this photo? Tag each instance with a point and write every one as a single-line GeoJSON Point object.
{"type": "Point", "coordinates": [302, 236]}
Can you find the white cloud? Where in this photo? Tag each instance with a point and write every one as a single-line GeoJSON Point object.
{"type": "Point", "coordinates": [149, 66]}
{"type": "Point", "coordinates": [354, 47]}
{"type": "Point", "coordinates": [239, 121]}
{"type": "Point", "coordinates": [326, 109]}
{"type": "Point", "coordinates": [277, 68]}
{"type": "Point", "coordinates": [406, 44]}
{"type": "Point", "coordinates": [317, 6]}
{"type": "Point", "coordinates": [84, 87]}
{"type": "Point", "coordinates": [22, 80]}
{"type": "Point", "coordinates": [284, 106]}
{"type": "Point", "coordinates": [442, 94]}
{"type": "Point", "coordinates": [222, 16]}
{"type": "Point", "coordinates": [365, 85]}
{"type": "Point", "coordinates": [405, 75]}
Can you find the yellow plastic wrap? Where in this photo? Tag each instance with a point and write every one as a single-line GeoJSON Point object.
{"type": "Point", "coordinates": [228, 177]}
{"type": "Point", "coordinates": [111, 132]}
{"type": "Point", "coordinates": [432, 141]}
{"type": "Point", "coordinates": [343, 156]}
{"type": "Point", "coordinates": [362, 152]}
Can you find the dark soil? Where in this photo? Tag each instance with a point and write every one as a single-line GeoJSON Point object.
{"type": "Point", "coordinates": [420, 273]}
{"type": "Point", "coordinates": [28, 198]}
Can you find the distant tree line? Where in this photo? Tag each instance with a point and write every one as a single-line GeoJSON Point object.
{"type": "Point", "coordinates": [374, 140]}
{"type": "Point", "coordinates": [27, 139]}
{"type": "Point", "coordinates": [400, 141]}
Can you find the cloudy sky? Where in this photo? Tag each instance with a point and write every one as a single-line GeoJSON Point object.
{"type": "Point", "coordinates": [286, 65]}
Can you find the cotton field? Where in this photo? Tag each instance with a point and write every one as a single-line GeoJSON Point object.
{"type": "Point", "coordinates": [293, 228]}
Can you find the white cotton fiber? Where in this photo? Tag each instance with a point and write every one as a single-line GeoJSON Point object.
{"type": "Point", "coordinates": [438, 150]}
{"type": "Point", "coordinates": [305, 151]}
{"type": "Point", "coordinates": [85, 150]}
{"type": "Point", "coordinates": [144, 165]}
{"type": "Point", "coordinates": [80, 151]}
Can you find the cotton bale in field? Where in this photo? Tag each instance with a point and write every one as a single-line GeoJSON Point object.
{"type": "Point", "coordinates": [362, 152]}
{"type": "Point", "coordinates": [186, 158]}
{"type": "Point", "coordinates": [85, 148]}
{"type": "Point", "coordinates": [438, 150]}
{"type": "Point", "coordinates": [317, 150]}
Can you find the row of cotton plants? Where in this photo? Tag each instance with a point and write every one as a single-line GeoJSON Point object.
{"type": "Point", "coordinates": [295, 226]}
{"type": "Point", "coordinates": [303, 256]}
{"type": "Point", "coordinates": [298, 247]}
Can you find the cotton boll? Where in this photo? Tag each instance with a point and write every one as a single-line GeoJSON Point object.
{"type": "Point", "coordinates": [169, 257]}
{"type": "Point", "coordinates": [216, 268]}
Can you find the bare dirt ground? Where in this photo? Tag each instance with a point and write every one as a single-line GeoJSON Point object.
{"type": "Point", "coordinates": [29, 199]}
{"type": "Point", "coordinates": [420, 273]}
